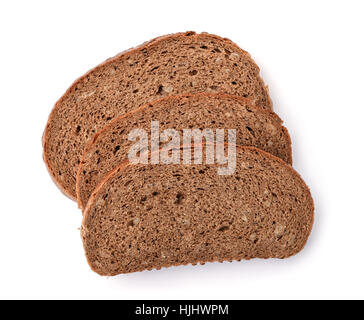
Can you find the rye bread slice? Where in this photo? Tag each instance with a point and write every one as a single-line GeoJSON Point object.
{"type": "Point", "coordinates": [169, 65]}
{"type": "Point", "coordinates": [254, 126]}
{"type": "Point", "coordinates": [144, 217]}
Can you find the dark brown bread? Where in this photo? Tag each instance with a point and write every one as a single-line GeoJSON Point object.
{"type": "Point", "coordinates": [254, 126]}
{"type": "Point", "coordinates": [144, 217]}
{"type": "Point", "coordinates": [169, 65]}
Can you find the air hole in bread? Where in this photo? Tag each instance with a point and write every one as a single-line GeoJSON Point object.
{"type": "Point", "coordinates": [133, 222]}
{"type": "Point", "coordinates": [179, 197]}
{"type": "Point", "coordinates": [127, 183]}
{"type": "Point", "coordinates": [223, 228]}
{"type": "Point", "coordinates": [251, 131]}
{"type": "Point", "coordinates": [116, 149]}
{"type": "Point", "coordinates": [160, 90]}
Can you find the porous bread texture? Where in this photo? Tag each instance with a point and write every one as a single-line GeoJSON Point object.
{"type": "Point", "coordinates": [144, 217]}
{"type": "Point", "coordinates": [254, 126]}
{"type": "Point", "coordinates": [169, 65]}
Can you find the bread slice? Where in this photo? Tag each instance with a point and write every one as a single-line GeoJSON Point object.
{"type": "Point", "coordinates": [144, 217]}
{"type": "Point", "coordinates": [169, 65]}
{"type": "Point", "coordinates": [254, 127]}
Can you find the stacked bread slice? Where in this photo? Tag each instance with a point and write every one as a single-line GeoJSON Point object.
{"type": "Point", "coordinates": [144, 216]}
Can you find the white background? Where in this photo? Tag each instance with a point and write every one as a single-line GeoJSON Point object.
{"type": "Point", "coordinates": [311, 56]}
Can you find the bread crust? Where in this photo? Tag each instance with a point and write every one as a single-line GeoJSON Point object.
{"type": "Point", "coordinates": [126, 54]}
{"type": "Point", "coordinates": [53, 175]}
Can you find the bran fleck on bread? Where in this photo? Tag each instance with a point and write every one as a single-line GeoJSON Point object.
{"type": "Point", "coordinates": [169, 65]}
{"type": "Point", "coordinates": [254, 126]}
{"type": "Point", "coordinates": [144, 217]}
